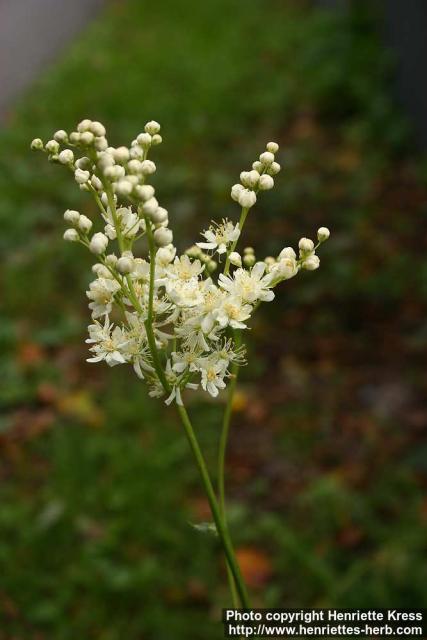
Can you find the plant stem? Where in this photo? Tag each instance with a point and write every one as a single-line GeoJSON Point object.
{"type": "Point", "coordinates": [243, 215]}
{"type": "Point", "coordinates": [216, 512]}
{"type": "Point", "coordinates": [222, 453]}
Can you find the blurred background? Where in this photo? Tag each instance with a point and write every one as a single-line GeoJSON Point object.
{"type": "Point", "coordinates": [328, 453]}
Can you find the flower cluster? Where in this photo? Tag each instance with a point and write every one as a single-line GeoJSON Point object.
{"type": "Point", "coordinates": [166, 314]}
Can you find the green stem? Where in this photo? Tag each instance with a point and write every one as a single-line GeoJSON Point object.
{"type": "Point", "coordinates": [216, 512]}
{"type": "Point", "coordinates": [222, 453]}
{"type": "Point", "coordinates": [242, 220]}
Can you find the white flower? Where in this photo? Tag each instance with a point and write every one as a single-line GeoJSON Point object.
{"type": "Point", "coordinates": [284, 269]}
{"type": "Point", "coordinates": [251, 286]}
{"type": "Point", "coordinates": [101, 292]}
{"type": "Point", "coordinates": [81, 176]}
{"type": "Point", "coordinates": [185, 269]}
{"type": "Point", "coordinates": [165, 255]}
{"type": "Point", "coordinates": [233, 312]}
{"type": "Point", "coordinates": [184, 293]}
{"type": "Point", "coordinates": [220, 236]}
{"type": "Point", "coordinates": [212, 377]}
{"type": "Point", "coordinates": [108, 343]}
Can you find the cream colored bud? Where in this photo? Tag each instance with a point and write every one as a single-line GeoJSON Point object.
{"type": "Point", "coordinates": [87, 138]}
{"type": "Point", "coordinates": [71, 235]}
{"type": "Point", "coordinates": [272, 147]}
{"type": "Point", "coordinates": [150, 207]}
{"type": "Point", "coordinates": [74, 137]}
{"type": "Point", "coordinates": [160, 215]}
{"type": "Point", "coordinates": [125, 264]}
{"type": "Point", "coordinates": [84, 125]}
{"type": "Point", "coordinates": [96, 183]}
{"type": "Point", "coordinates": [249, 260]}
{"type": "Point", "coordinates": [111, 260]}
{"type": "Point", "coordinates": [235, 258]}
{"type": "Point", "coordinates": [274, 168]}
{"type": "Point", "coordinates": [157, 139]}
{"type": "Point", "coordinates": [306, 245]}
{"type": "Point", "coordinates": [311, 263]}
{"type": "Point", "coordinates": [98, 243]}
{"type": "Point", "coordinates": [249, 178]}
{"type": "Point", "coordinates": [144, 139]}
{"type": "Point", "coordinates": [66, 156]}
{"type": "Point", "coordinates": [83, 163]}
{"type": "Point", "coordinates": [100, 144]}
{"type": "Point", "coordinates": [144, 192]}
{"type": "Point", "coordinates": [163, 237]}
{"type": "Point", "coordinates": [247, 198]}
{"type": "Point", "coordinates": [37, 144]}
{"type": "Point", "coordinates": [147, 167]}
{"type": "Point", "coordinates": [85, 225]}
{"type": "Point", "coordinates": [236, 190]}
{"type": "Point", "coordinates": [266, 158]}
{"type": "Point", "coordinates": [123, 188]}
{"type": "Point", "coordinates": [136, 152]}
{"type": "Point", "coordinates": [266, 182]}
{"type": "Point", "coordinates": [71, 216]}
{"type": "Point", "coordinates": [98, 129]}
{"type": "Point", "coordinates": [248, 250]}
{"type": "Point", "coordinates": [287, 252]}
{"type": "Point", "coordinates": [121, 154]}
{"type": "Point", "coordinates": [52, 146]}
{"type": "Point", "coordinates": [152, 127]}
{"type": "Point", "coordinates": [323, 234]}
{"type": "Point", "coordinates": [81, 176]}
{"type": "Point", "coordinates": [258, 166]}
{"type": "Point", "coordinates": [61, 136]}
{"type": "Point", "coordinates": [134, 166]}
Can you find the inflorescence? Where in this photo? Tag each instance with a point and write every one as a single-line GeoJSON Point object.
{"type": "Point", "coordinates": [167, 315]}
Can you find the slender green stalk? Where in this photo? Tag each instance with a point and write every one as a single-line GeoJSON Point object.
{"type": "Point", "coordinates": [216, 513]}
{"type": "Point", "coordinates": [242, 220]}
{"type": "Point", "coordinates": [222, 453]}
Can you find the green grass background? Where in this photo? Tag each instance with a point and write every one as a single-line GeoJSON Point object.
{"type": "Point", "coordinates": [328, 454]}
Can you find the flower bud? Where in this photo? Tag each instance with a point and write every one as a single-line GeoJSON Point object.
{"type": "Point", "coordinates": [144, 139]}
{"type": "Point", "coordinates": [165, 255]}
{"type": "Point", "coordinates": [163, 237]}
{"type": "Point", "coordinates": [136, 152]}
{"type": "Point", "coordinates": [144, 192]}
{"type": "Point", "coordinates": [100, 143]}
{"type": "Point", "coordinates": [123, 187]}
{"type": "Point", "coordinates": [247, 198]}
{"type": "Point", "coordinates": [71, 235]}
{"type": "Point", "coordinates": [111, 260]}
{"type": "Point", "coordinates": [266, 158]}
{"type": "Point", "coordinates": [323, 234]}
{"type": "Point", "coordinates": [74, 137]}
{"type": "Point", "coordinates": [287, 268]}
{"type": "Point", "coordinates": [274, 168]}
{"type": "Point", "coordinates": [66, 156]}
{"type": "Point", "coordinates": [305, 245]}
{"type": "Point", "coordinates": [152, 127]}
{"type": "Point", "coordinates": [147, 167]}
{"type": "Point", "coordinates": [249, 260]}
{"type": "Point", "coordinates": [157, 139]}
{"type": "Point", "coordinates": [71, 216]}
{"type": "Point", "coordinates": [134, 166]}
{"type": "Point", "coordinates": [84, 125]}
{"type": "Point", "coordinates": [98, 243]}
{"type": "Point", "coordinates": [52, 146]}
{"type": "Point", "coordinates": [37, 144]}
{"type": "Point", "coordinates": [258, 166]}
{"type": "Point", "coordinates": [266, 182]}
{"type": "Point", "coordinates": [125, 264]}
{"type": "Point", "coordinates": [96, 183]}
{"type": "Point", "coordinates": [211, 266]}
{"type": "Point", "coordinates": [97, 129]}
{"type": "Point", "coordinates": [160, 215]}
{"type": "Point", "coordinates": [311, 263]}
{"type": "Point", "coordinates": [84, 224]}
{"type": "Point", "coordinates": [235, 258]}
{"type": "Point", "coordinates": [287, 252]}
{"type": "Point", "coordinates": [87, 138]}
{"type": "Point", "coordinates": [61, 136]}
{"type": "Point", "coordinates": [81, 176]}
{"type": "Point", "coordinates": [236, 190]}
{"type": "Point", "coordinates": [272, 147]}
{"type": "Point", "coordinates": [83, 163]}
{"type": "Point", "coordinates": [121, 154]}
{"type": "Point", "coordinates": [150, 207]}
{"type": "Point", "coordinates": [248, 250]}
{"type": "Point", "coordinates": [249, 178]}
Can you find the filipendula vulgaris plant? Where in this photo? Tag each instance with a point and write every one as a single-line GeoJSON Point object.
{"type": "Point", "coordinates": [176, 319]}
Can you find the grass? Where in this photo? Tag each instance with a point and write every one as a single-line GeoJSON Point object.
{"type": "Point", "coordinates": [98, 490]}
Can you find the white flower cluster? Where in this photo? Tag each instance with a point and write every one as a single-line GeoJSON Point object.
{"type": "Point", "coordinates": [165, 314]}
